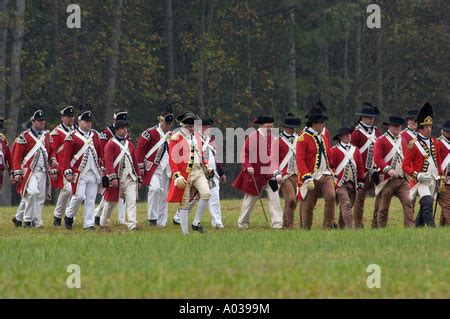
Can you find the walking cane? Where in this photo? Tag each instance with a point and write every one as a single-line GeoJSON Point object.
{"type": "Point", "coordinates": [260, 200]}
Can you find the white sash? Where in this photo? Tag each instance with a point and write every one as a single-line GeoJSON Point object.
{"type": "Point", "coordinates": [60, 148]}
{"type": "Point", "coordinates": [348, 158]}
{"type": "Point", "coordinates": [446, 161]}
{"type": "Point", "coordinates": [429, 159]}
{"type": "Point", "coordinates": [289, 154]}
{"type": "Point", "coordinates": [371, 138]}
{"type": "Point", "coordinates": [38, 145]}
{"type": "Point", "coordinates": [123, 150]}
{"type": "Point", "coordinates": [410, 133]}
{"type": "Point", "coordinates": [87, 144]}
{"type": "Point", "coordinates": [396, 148]}
{"type": "Point", "coordinates": [161, 141]}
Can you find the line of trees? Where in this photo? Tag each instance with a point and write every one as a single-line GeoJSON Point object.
{"type": "Point", "coordinates": [229, 60]}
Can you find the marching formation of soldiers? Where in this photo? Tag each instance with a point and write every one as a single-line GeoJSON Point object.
{"type": "Point", "coordinates": [182, 166]}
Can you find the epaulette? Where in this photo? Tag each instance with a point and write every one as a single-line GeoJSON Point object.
{"type": "Point", "coordinates": [102, 136]}
{"type": "Point", "coordinates": [146, 134]}
{"type": "Point", "coordinates": [411, 143]}
{"type": "Point", "coordinates": [69, 136]}
{"type": "Point", "coordinates": [54, 132]}
{"type": "Point", "coordinates": [21, 139]}
{"type": "Point", "coordinates": [301, 137]}
{"type": "Point", "coordinates": [175, 136]}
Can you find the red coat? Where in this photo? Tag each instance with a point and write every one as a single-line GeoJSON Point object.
{"type": "Point", "coordinates": [5, 156]}
{"type": "Point", "coordinates": [72, 145]}
{"type": "Point", "coordinates": [256, 153]}
{"type": "Point", "coordinates": [23, 166]}
{"type": "Point", "coordinates": [181, 160]}
{"type": "Point", "coordinates": [281, 144]}
{"type": "Point", "coordinates": [415, 163]}
{"type": "Point", "coordinates": [444, 153]}
{"type": "Point", "coordinates": [337, 157]}
{"type": "Point", "coordinates": [112, 151]}
{"type": "Point", "coordinates": [106, 134]}
{"type": "Point", "coordinates": [58, 136]}
{"type": "Point", "coordinates": [307, 155]}
{"type": "Point", "coordinates": [381, 149]}
{"type": "Point", "coordinates": [360, 140]}
{"type": "Point", "coordinates": [148, 139]}
{"type": "Point", "coordinates": [407, 135]}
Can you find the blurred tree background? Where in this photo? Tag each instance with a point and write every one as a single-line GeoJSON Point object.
{"type": "Point", "coordinates": [229, 60]}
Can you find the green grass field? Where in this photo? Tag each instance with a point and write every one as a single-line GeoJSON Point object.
{"type": "Point", "coordinates": [258, 263]}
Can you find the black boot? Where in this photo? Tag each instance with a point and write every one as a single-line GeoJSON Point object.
{"type": "Point", "coordinates": [17, 223]}
{"type": "Point", "coordinates": [426, 205]}
{"type": "Point", "coordinates": [420, 222]}
{"type": "Point", "coordinates": [152, 222]}
{"type": "Point", "coordinates": [27, 225]}
{"type": "Point", "coordinates": [56, 221]}
{"type": "Point", "coordinates": [199, 228]}
{"type": "Point", "coordinates": [68, 222]}
{"type": "Point", "coordinates": [97, 220]}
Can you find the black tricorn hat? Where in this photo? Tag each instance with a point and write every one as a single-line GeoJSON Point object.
{"type": "Point", "coordinates": [291, 121]}
{"type": "Point", "coordinates": [316, 114]}
{"type": "Point", "coordinates": [67, 111]}
{"type": "Point", "coordinates": [343, 130]}
{"type": "Point", "coordinates": [120, 123]}
{"type": "Point", "coordinates": [207, 121]}
{"type": "Point", "coordinates": [369, 110]}
{"type": "Point", "coordinates": [38, 116]}
{"type": "Point", "coordinates": [120, 114]}
{"type": "Point", "coordinates": [446, 126]}
{"type": "Point", "coordinates": [425, 115]}
{"type": "Point", "coordinates": [85, 116]}
{"type": "Point", "coordinates": [166, 116]}
{"type": "Point", "coordinates": [263, 119]}
{"type": "Point", "coordinates": [395, 120]}
{"type": "Point", "coordinates": [411, 114]}
{"type": "Point", "coordinates": [187, 118]}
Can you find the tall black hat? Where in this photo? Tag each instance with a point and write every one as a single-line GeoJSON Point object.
{"type": "Point", "coordinates": [425, 115]}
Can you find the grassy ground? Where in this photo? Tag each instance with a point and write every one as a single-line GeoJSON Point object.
{"type": "Point", "coordinates": [258, 263]}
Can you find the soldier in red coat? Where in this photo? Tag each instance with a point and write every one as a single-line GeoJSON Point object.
{"type": "Point", "coordinates": [389, 156]}
{"type": "Point", "coordinates": [410, 131]}
{"type": "Point", "coordinates": [58, 136]}
{"type": "Point", "coordinates": [315, 174]}
{"type": "Point", "coordinates": [153, 159]}
{"type": "Point", "coordinates": [256, 173]}
{"type": "Point", "coordinates": [5, 154]}
{"type": "Point", "coordinates": [123, 174]}
{"type": "Point", "coordinates": [285, 167]}
{"type": "Point", "coordinates": [364, 137]}
{"type": "Point", "coordinates": [31, 165]}
{"type": "Point", "coordinates": [83, 163]}
{"type": "Point", "coordinates": [422, 163]}
{"type": "Point", "coordinates": [347, 163]}
{"type": "Point", "coordinates": [444, 196]}
{"type": "Point", "coordinates": [106, 134]}
{"type": "Point", "coordinates": [190, 171]}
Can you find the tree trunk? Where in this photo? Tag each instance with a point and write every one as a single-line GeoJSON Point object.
{"type": "Point", "coordinates": [16, 81]}
{"type": "Point", "coordinates": [357, 99]}
{"type": "Point", "coordinates": [379, 64]}
{"type": "Point", "coordinates": [112, 64]}
{"type": "Point", "coordinates": [292, 76]}
{"type": "Point", "coordinates": [5, 198]}
{"type": "Point", "coordinates": [201, 70]}
{"type": "Point", "coordinates": [170, 50]}
{"type": "Point", "coordinates": [344, 118]}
